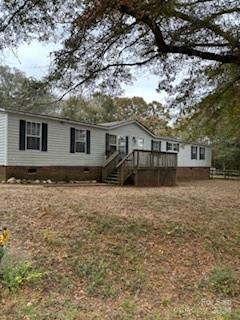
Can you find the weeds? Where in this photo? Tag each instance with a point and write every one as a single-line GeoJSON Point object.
{"type": "Point", "coordinates": [50, 238]}
{"type": "Point", "coordinates": [223, 281]}
{"type": "Point", "coordinates": [233, 315]}
{"type": "Point", "coordinates": [4, 237]}
{"type": "Point", "coordinates": [14, 274]}
{"type": "Point", "coordinates": [95, 270]}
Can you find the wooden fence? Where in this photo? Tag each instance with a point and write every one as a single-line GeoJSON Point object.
{"type": "Point", "coordinates": [224, 174]}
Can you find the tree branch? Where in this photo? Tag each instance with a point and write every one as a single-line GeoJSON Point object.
{"type": "Point", "coordinates": [163, 47]}
{"type": "Point", "coordinates": [4, 27]}
{"type": "Point", "coordinates": [109, 66]}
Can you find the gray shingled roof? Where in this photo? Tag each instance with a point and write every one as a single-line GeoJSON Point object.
{"type": "Point", "coordinates": [113, 124]}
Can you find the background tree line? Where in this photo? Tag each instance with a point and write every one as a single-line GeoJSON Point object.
{"type": "Point", "coordinates": [18, 92]}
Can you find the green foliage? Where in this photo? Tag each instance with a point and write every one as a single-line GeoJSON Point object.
{"type": "Point", "coordinates": [2, 251]}
{"type": "Point", "coordinates": [14, 273]}
{"type": "Point", "coordinates": [223, 281]}
{"type": "Point", "coordinates": [233, 315]}
{"type": "Point", "coordinates": [95, 270]}
{"type": "Point", "coordinates": [127, 310]}
{"type": "Point", "coordinates": [18, 92]}
{"type": "Point", "coordinates": [101, 108]}
{"type": "Point", "coordinates": [216, 117]}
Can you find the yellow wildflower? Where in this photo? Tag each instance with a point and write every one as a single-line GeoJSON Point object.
{"type": "Point", "coordinates": [4, 237]}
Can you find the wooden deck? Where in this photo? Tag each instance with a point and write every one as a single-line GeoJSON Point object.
{"type": "Point", "coordinates": [145, 167]}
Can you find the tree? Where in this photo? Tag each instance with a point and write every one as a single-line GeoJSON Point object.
{"type": "Point", "coordinates": [153, 114]}
{"type": "Point", "coordinates": [101, 108]}
{"type": "Point", "coordinates": [26, 94]}
{"type": "Point", "coordinates": [105, 39]}
{"type": "Point", "coordinates": [95, 109]}
{"type": "Point", "coordinates": [216, 118]}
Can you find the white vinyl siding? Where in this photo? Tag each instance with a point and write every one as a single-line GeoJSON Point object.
{"type": "Point", "coordinates": [58, 153]}
{"type": "Point", "coordinates": [138, 138]}
{"type": "Point", "coordinates": [184, 157]}
{"type": "Point", "coordinates": [3, 138]}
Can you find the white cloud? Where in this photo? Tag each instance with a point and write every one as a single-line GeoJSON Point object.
{"type": "Point", "coordinates": [33, 59]}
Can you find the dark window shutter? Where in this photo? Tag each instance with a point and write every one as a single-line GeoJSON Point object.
{"type": "Point", "coordinates": [107, 146]}
{"type": "Point", "coordinates": [167, 146]}
{"type": "Point", "coordinates": [151, 145]}
{"type": "Point", "coordinates": [22, 135]}
{"type": "Point", "coordinates": [160, 146]}
{"type": "Point", "coordinates": [88, 141]}
{"type": "Point", "coordinates": [127, 144]}
{"type": "Point", "coordinates": [72, 140]}
{"type": "Point", "coordinates": [178, 147]}
{"type": "Point", "coordinates": [44, 136]}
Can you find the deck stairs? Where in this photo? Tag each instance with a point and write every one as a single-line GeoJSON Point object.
{"type": "Point", "coordinates": [112, 178]}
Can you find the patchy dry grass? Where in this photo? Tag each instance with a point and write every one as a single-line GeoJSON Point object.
{"type": "Point", "coordinates": [125, 253]}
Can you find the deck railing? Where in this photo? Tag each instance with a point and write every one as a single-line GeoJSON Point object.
{"type": "Point", "coordinates": [110, 164]}
{"type": "Point", "coordinates": [145, 159]}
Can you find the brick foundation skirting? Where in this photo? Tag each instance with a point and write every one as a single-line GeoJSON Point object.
{"type": "Point", "coordinates": [67, 173]}
{"type": "Point", "coordinates": [3, 173]}
{"type": "Point", "coordinates": [56, 173]}
{"type": "Point", "coordinates": [193, 173]}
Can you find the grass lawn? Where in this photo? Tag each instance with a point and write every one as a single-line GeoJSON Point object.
{"type": "Point", "coordinates": [121, 253]}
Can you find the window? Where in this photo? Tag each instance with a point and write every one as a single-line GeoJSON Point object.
{"type": "Point", "coordinates": [140, 143]}
{"type": "Point", "coordinates": [33, 135]}
{"type": "Point", "coordinates": [156, 145]}
{"type": "Point", "coordinates": [172, 146]}
{"type": "Point", "coordinates": [176, 147]}
{"type": "Point", "coordinates": [80, 140]}
{"type": "Point", "coordinates": [112, 143]}
{"type": "Point", "coordinates": [193, 153]}
{"type": "Point", "coordinates": [202, 153]}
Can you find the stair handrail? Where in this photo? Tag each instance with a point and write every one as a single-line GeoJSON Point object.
{"type": "Point", "coordinates": [124, 159]}
{"type": "Point", "coordinates": [110, 158]}
{"type": "Point", "coordinates": [110, 164]}
{"type": "Point", "coordinates": [125, 169]}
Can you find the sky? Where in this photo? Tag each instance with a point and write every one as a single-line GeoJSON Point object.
{"type": "Point", "coordinates": [34, 58]}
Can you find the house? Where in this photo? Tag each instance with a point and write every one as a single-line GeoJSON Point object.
{"type": "Point", "coordinates": [36, 146]}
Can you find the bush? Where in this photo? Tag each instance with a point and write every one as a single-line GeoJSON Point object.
{"type": "Point", "coordinates": [223, 281]}
{"type": "Point", "coordinates": [14, 274]}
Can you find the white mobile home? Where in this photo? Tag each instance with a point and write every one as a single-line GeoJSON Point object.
{"type": "Point", "coordinates": [34, 146]}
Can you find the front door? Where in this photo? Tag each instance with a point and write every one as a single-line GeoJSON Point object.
{"type": "Point", "coordinates": [122, 145]}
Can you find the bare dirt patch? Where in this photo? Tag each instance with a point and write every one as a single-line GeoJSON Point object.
{"type": "Point", "coordinates": [123, 253]}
